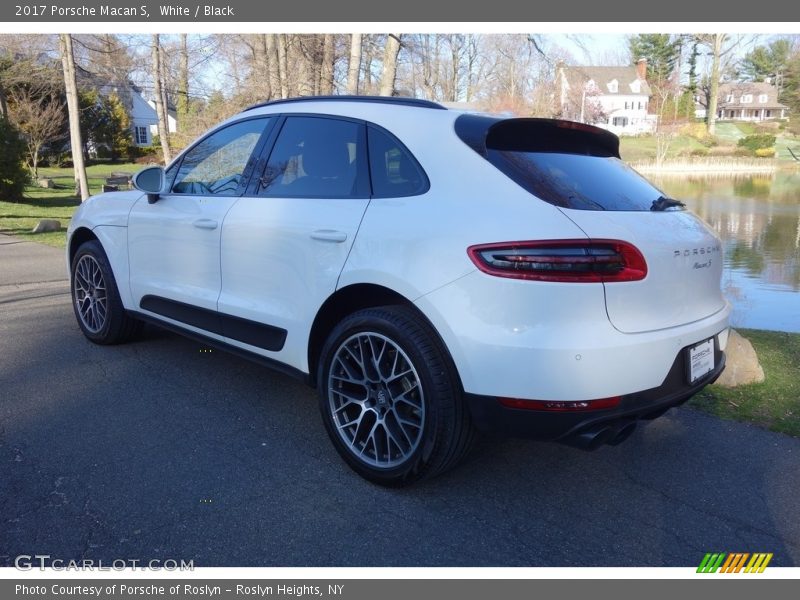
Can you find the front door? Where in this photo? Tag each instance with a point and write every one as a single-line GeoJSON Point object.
{"type": "Point", "coordinates": [174, 243]}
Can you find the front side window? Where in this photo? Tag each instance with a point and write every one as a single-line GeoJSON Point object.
{"type": "Point", "coordinates": [395, 173]}
{"type": "Point", "coordinates": [316, 157]}
{"type": "Point", "coordinates": [216, 165]}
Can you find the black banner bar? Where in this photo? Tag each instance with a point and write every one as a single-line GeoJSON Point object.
{"type": "Point", "coordinates": [250, 11]}
{"type": "Point", "coordinates": [730, 588]}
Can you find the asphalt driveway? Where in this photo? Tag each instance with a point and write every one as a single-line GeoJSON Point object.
{"type": "Point", "coordinates": [162, 449]}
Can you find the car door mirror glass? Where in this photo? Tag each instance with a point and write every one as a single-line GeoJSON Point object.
{"type": "Point", "coordinates": [149, 180]}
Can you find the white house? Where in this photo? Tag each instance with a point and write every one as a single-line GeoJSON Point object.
{"type": "Point", "coordinates": [614, 98]}
{"type": "Point", "coordinates": [148, 113]}
{"type": "Point", "coordinates": [745, 101]}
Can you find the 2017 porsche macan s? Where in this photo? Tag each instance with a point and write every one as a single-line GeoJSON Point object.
{"type": "Point", "coordinates": [431, 272]}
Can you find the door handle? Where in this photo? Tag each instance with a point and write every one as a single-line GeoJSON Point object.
{"type": "Point", "coordinates": [205, 224]}
{"type": "Point", "coordinates": [329, 235]}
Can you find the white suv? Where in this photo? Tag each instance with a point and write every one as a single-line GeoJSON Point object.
{"type": "Point", "coordinates": [431, 272]}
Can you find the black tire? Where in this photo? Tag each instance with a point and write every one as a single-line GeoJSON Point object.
{"type": "Point", "coordinates": [95, 298]}
{"type": "Point", "coordinates": [429, 417]}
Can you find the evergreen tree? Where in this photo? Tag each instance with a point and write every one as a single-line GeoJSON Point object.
{"type": "Point", "coordinates": [660, 50]}
{"type": "Point", "coordinates": [766, 62]}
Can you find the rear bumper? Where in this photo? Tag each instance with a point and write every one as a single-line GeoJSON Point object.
{"type": "Point", "coordinates": [592, 428]}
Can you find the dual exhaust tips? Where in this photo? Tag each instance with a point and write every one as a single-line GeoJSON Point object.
{"type": "Point", "coordinates": [607, 433]}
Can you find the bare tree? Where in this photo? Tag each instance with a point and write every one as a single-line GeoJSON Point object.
{"type": "Point", "coordinates": [283, 67]}
{"type": "Point", "coordinates": [71, 85]}
{"type": "Point", "coordinates": [161, 108]}
{"type": "Point", "coordinates": [328, 64]}
{"type": "Point", "coordinates": [354, 65]}
{"type": "Point", "coordinates": [39, 119]}
{"type": "Point", "coordinates": [390, 54]}
{"type": "Point", "coordinates": [275, 82]}
{"type": "Point", "coordinates": [182, 102]}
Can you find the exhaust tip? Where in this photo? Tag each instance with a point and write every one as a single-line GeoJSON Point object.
{"type": "Point", "coordinates": [624, 433]}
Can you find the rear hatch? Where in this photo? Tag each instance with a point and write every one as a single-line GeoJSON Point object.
{"type": "Point", "coordinates": [577, 168]}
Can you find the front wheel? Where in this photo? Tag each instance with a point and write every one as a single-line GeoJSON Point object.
{"type": "Point", "coordinates": [95, 298]}
{"type": "Point", "coordinates": [390, 398]}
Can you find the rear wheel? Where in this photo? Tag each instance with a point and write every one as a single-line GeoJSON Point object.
{"type": "Point", "coordinates": [95, 298]}
{"type": "Point", "coordinates": [390, 397]}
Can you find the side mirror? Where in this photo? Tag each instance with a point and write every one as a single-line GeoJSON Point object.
{"type": "Point", "coordinates": [150, 181]}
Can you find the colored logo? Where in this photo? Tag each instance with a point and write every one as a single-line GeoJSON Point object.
{"type": "Point", "coordinates": [734, 562]}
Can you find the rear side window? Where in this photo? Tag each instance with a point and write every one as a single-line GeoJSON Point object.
{"type": "Point", "coordinates": [316, 157]}
{"type": "Point", "coordinates": [566, 164]}
{"type": "Point", "coordinates": [395, 173]}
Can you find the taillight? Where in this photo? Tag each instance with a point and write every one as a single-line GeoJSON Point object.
{"type": "Point", "coordinates": [579, 261]}
{"type": "Point", "coordinates": [561, 406]}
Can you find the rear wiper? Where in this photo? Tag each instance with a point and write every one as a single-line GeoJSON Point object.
{"type": "Point", "coordinates": [663, 203]}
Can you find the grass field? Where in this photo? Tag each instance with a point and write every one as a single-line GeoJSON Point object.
{"type": "Point", "coordinates": [774, 403]}
{"type": "Point", "coordinates": [60, 202]}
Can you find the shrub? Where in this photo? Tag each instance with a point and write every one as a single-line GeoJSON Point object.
{"type": "Point", "coordinates": [765, 152]}
{"type": "Point", "coordinates": [697, 152]}
{"type": "Point", "coordinates": [756, 141]}
{"type": "Point", "coordinates": [13, 175]}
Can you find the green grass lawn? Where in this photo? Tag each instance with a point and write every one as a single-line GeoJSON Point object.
{"type": "Point", "coordinates": [19, 218]}
{"type": "Point", "coordinates": [774, 403]}
{"type": "Point", "coordinates": [643, 148]}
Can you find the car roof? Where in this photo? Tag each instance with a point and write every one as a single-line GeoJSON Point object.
{"type": "Point", "coordinates": [397, 100]}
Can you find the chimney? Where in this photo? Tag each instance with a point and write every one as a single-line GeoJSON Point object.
{"type": "Point", "coordinates": [641, 69]}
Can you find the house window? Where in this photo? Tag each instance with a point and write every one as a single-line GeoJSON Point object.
{"type": "Point", "coordinates": [140, 133]}
{"type": "Point", "coordinates": [769, 114]}
{"type": "Point", "coordinates": [762, 98]}
{"type": "Point", "coordinates": [746, 98]}
{"type": "Point", "coordinates": [729, 98]}
{"type": "Point", "coordinates": [613, 86]}
{"type": "Point", "coordinates": [640, 106]}
{"type": "Point", "coordinates": [626, 106]}
{"type": "Point", "coordinates": [620, 121]}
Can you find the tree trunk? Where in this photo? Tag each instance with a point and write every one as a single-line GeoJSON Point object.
{"type": "Point", "coordinates": [262, 62]}
{"type": "Point", "coordinates": [161, 109]}
{"type": "Point", "coordinates": [183, 84]}
{"type": "Point", "coordinates": [71, 88]}
{"type": "Point", "coordinates": [711, 115]}
{"type": "Point", "coordinates": [328, 59]}
{"type": "Point", "coordinates": [354, 65]}
{"type": "Point", "coordinates": [3, 103]}
{"type": "Point", "coordinates": [283, 67]}
{"type": "Point", "coordinates": [389, 74]}
{"type": "Point", "coordinates": [272, 61]}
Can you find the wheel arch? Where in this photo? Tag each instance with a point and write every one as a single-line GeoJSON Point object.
{"type": "Point", "coordinates": [79, 237]}
{"type": "Point", "coordinates": [350, 299]}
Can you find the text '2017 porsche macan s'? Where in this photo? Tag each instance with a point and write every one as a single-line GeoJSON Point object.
{"type": "Point", "coordinates": [432, 272]}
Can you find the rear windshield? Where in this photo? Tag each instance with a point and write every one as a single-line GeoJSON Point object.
{"type": "Point", "coordinates": [577, 181]}
{"type": "Point", "coordinates": [566, 164]}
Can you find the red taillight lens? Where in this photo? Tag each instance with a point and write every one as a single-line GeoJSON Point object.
{"type": "Point", "coordinates": [579, 261]}
{"type": "Point", "coordinates": [561, 406]}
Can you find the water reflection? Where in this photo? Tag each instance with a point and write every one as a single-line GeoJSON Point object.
{"type": "Point", "coordinates": [758, 219]}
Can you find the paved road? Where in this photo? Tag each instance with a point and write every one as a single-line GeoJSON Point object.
{"type": "Point", "coordinates": [159, 450]}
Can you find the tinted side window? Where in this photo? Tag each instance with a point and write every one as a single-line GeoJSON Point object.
{"type": "Point", "coordinates": [215, 165]}
{"type": "Point", "coordinates": [315, 158]}
{"type": "Point", "coordinates": [393, 170]}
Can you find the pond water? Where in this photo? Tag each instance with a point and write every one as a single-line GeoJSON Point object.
{"type": "Point", "coordinates": [758, 219]}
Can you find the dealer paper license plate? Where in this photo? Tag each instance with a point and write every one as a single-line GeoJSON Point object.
{"type": "Point", "coordinates": [701, 359]}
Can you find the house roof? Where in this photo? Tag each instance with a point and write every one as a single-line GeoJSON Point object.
{"type": "Point", "coordinates": [603, 76]}
{"type": "Point", "coordinates": [737, 89]}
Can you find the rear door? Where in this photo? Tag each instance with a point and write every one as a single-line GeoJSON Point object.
{"type": "Point", "coordinates": [284, 244]}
